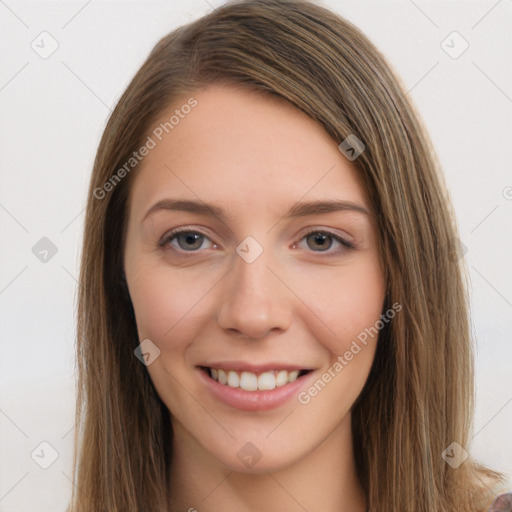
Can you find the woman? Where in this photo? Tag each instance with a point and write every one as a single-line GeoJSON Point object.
{"type": "Point", "coordinates": [226, 360]}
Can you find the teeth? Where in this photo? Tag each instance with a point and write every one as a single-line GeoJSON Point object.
{"type": "Point", "coordinates": [222, 377]}
{"type": "Point", "coordinates": [266, 380]}
{"type": "Point", "coordinates": [251, 382]}
{"type": "Point", "coordinates": [293, 375]}
{"type": "Point", "coordinates": [233, 379]}
{"type": "Point", "coordinates": [282, 378]}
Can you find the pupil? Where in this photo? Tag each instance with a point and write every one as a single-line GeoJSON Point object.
{"type": "Point", "coordinates": [320, 239]}
{"type": "Point", "coordinates": [191, 238]}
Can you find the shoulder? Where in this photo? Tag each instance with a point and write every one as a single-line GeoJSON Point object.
{"type": "Point", "coordinates": [503, 503]}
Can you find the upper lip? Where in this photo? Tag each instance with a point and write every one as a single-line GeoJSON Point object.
{"type": "Point", "coordinates": [254, 368]}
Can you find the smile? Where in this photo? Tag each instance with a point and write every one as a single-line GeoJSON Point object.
{"type": "Point", "coordinates": [250, 381]}
{"type": "Point", "coordinates": [257, 390]}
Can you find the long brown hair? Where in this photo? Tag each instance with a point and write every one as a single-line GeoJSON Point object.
{"type": "Point", "coordinates": [418, 398]}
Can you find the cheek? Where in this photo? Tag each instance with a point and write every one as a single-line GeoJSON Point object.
{"type": "Point", "coordinates": [157, 303]}
{"type": "Point", "coordinates": [167, 303]}
{"type": "Point", "coordinates": [343, 303]}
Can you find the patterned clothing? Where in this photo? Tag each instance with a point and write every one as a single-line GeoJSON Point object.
{"type": "Point", "coordinates": [503, 503]}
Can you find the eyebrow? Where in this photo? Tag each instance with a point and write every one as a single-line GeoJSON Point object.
{"type": "Point", "coordinates": [299, 209]}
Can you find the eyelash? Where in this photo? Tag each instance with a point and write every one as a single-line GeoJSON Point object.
{"type": "Point", "coordinates": [347, 245]}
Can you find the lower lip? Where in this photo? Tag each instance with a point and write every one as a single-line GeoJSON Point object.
{"type": "Point", "coordinates": [253, 400]}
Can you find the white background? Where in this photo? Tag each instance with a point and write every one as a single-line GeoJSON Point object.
{"type": "Point", "coordinates": [53, 112]}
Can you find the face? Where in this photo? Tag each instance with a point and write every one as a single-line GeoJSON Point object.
{"type": "Point", "coordinates": [257, 289]}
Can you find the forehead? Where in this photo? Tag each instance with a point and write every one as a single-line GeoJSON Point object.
{"type": "Point", "coordinates": [242, 148]}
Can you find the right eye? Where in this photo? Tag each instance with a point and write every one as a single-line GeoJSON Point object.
{"type": "Point", "coordinates": [188, 240]}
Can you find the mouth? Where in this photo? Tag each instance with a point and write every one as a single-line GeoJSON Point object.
{"type": "Point", "coordinates": [254, 381]}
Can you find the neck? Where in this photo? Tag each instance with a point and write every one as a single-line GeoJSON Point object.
{"type": "Point", "coordinates": [325, 479]}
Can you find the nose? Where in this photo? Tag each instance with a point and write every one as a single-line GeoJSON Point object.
{"type": "Point", "coordinates": [254, 302]}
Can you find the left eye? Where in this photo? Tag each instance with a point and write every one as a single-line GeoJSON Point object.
{"type": "Point", "coordinates": [189, 240]}
{"type": "Point", "coordinates": [320, 238]}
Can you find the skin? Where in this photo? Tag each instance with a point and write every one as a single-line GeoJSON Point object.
{"type": "Point", "coordinates": [255, 156]}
